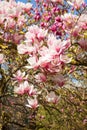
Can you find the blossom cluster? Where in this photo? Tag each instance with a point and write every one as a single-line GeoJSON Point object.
{"type": "Point", "coordinates": [76, 3]}
{"type": "Point", "coordinates": [11, 13]}
{"type": "Point", "coordinates": [48, 55]}
{"type": "Point", "coordinates": [22, 86]}
{"type": "Point", "coordinates": [45, 50]}
{"type": "Point", "coordinates": [64, 22]}
{"type": "Point", "coordinates": [12, 18]}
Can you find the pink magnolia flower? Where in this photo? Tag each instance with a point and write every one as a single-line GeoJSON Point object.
{"type": "Point", "coordinates": [46, 52]}
{"type": "Point", "coordinates": [26, 48]}
{"type": "Point", "coordinates": [82, 18]}
{"type": "Point", "coordinates": [21, 4]}
{"type": "Point", "coordinates": [76, 30]}
{"type": "Point", "coordinates": [51, 97]}
{"type": "Point", "coordinates": [82, 22]}
{"type": "Point", "coordinates": [44, 61]}
{"type": "Point", "coordinates": [19, 76]}
{"type": "Point", "coordinates": [40, 77]}
{"type": "Point", "coordinates": [31, 90]}
{"type": "Point", "coordinates": [85, 121]}
{"type": "Point", "coordinates": [28, 6]}
{"type": "Point", "coordinates": [32, 62]}
{"type": "Point", "coordinates": [25, 88]}
{"type": "Point", "coordinates": [12, 13]}
{"type": "Point", "coordinates": [19, 90]}
{"type": "Point", "coordinates": [76, 3]}
{"type": "Point", "coordinates": [69, 21]}
{"type": "Point", "coordinates": [37, 16]}
{"type": "Point", "coordinates": [30, 37]}
{"type": "Point", "coordinates": [10, 23]}
{"type": "Point", "coordinates": [56, 45]}
{"type": "Point", "coordinates": [17, 38]}
{"type": "Point", "coordinates": [83, 43]}
{"type": "Point", "coordinates": [13, 10]}
{"type": "Point", "coordinates": [20, 21]}
{"type": "Point", "coordinates": [2, 58]}
{"type": "Point", "coordinates": [60, 1]}
{"type": "Point", "coordinates": [22, 49]}
{"type": "Point", "coordinates": [39, 33]}
{"type": "Point", "coordinates": [59, 80]}
{"type": "Point", "coordinates": [32, 103]}
{"type": "Point", "coordinates": [22, 88]}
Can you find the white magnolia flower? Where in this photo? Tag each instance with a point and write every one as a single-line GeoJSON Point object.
{"type": "Point", "coordinates": [32, 103]}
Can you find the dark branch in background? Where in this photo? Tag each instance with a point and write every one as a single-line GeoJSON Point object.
{"type": "Point", "coordinates": [4, 95]}
{"type": "Point", "coordinates": [31, 124]}
{"type": "Point", "coordinates": [78, 64]}
{"type": "Point", "coordinates": [17, 123]}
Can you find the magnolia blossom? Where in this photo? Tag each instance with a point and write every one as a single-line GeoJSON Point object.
{"type": "Point", "coordinates": [22, 88]}
{"type": "Point", "coordinates": [30, 37]}
{"type": "Point", "coordinates": [12, 13]}
{"type": "Point", "coordinates": [60, 1]}
{"type": "Point", "coordinates": [32, 103]}
{"type": "Point", "coordinates": [26, 7]}
{"type": "Point", "coordinates": [47, 52]}
{"type": "Point", "coordinates": [26, 48]}
{"type": "Point", "coordinates": [31, 90]}
{"type": "Point", "coordinates": [39, 33]}
{"type": "Point", "coordinates": [10, 23]}
{"type": "Point", "coordinates": [59, 80]}
{"type": "Point", "coordinates": [32, 62]}
{"type": "Point", "coordinates": [19, 76]}
{"type": "Point", "coordinates": [82, 22]}
{"type": "Point", "coordinates": [76, 30]}
{"type": "Point", "coordinates": [25, 88]}
{"type": "Point", "coordinates": [51, 97]}
{"type": "Point", "coordinates": [2, 58]}
{"type": "Point", "coordinates": [20, 21]}
{"type": "Point", "coordinates": [19, 90]}
{"type": "Point", "coordinates": [17, 38]}
{"type": "Point", "coordinates": [83, 18]}
{"type": "Point", "coordinates": [76, 3]}
{"type": "Point", "coordinates": [57, 46]}
{"type": "Point", "coordinates": [44, 61]}
{"type": "Point", "coordinates": [83, 43]}
{"type": "Point", "coordinates": [40, 77]}
{"type": "Point", "coordinates": [69, 21]}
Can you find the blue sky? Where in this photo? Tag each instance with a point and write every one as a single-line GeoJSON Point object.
{"type": "Point", "coordinates": [26, 1]}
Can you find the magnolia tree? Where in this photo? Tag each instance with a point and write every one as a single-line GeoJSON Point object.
{"type": "Point", "coordinates": [43, 65]}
